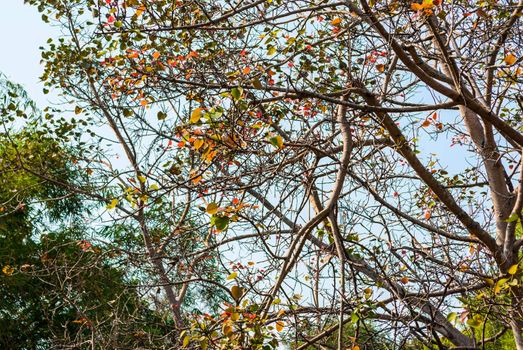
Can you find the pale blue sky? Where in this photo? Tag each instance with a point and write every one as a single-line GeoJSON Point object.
{"type": "Point", "coordinates": [23, 32]}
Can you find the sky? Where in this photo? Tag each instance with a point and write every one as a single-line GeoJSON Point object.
{"type": "Point", "coordinates": [23, 32]}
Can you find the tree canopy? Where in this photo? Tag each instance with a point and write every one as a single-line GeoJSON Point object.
{"type": "Point", "coordinates": [271, 174]}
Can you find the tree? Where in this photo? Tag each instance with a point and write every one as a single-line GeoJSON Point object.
{"type": "Point", "coordinates": [361, 159]}
{"type": "Point", "coordinates": [61, 285]}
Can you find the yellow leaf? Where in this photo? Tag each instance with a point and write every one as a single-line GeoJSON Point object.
{"type": "Point", "coordinates": [113, 204]}
{"type": "Point", "coordinates": [196, 115]}
{"type": "Point", "coordinates": [142, 179]}
{"type": "Point", "coordinates": [198, 143]}
{"type": "Point", "coordinates": [81, 320]}
{"type": "Point", "coordinates": [510, 59]}
{"type": "Point", "coordinates": [186, 341]}
{"type": "Point", "coordinates": [280, 325]}
{"type": "Point", "coordinates": [232, 276]}
{"type": "Point", "coordinates": [499, 285]}
{"type": "Point", "coordinates": [8, 270]}
{"type": "Point", "coordinates": [513, 269]}
{"type": "Point", "coordinates": [227, 330]}
{"type": "Point", "coordinates": [212, 208]}
{"type": "Point", "coordinates": [489, 281]}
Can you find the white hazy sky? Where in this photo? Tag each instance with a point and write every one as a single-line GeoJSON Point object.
{"type": "Point", "coordinates": [22, 33]}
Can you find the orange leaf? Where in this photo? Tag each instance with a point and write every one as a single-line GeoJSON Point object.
{"type": "Point", "coordinates": [246, 70]}
{"type": "Point", "coordinates": [404, 280]}
{"type": "Point", "coordinates": [510, 59]}
{"type": "Point", "coordinates": [156, 55]}
{"type": "Point", "coordinates": [380, 68]}
{"type": "Point", "coordinates": [280, 325]}
{"type": "Point", "coordinates": [140, 10]}
{"type": "Point", "coordinates": [426, 123]}
{"type": "Point", "coordinates": [336, 21]}
{"type": "Point", "coordinates": [427, 214]}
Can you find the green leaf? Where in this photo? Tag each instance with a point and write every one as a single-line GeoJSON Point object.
{"type": "Point", "coordinates": [276, 141]}
{"type": "Point", "coordinates": [475, 322]}
{"type": "Point", "coordinates": [237, 93]}
{"type": "Point", "coordinates": [221, 222]}
{"type": "Point", "coordinates": [512, 218]}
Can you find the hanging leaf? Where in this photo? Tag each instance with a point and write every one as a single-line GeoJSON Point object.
{"type": "Point", "coordinates": [237, 93]}
{"type": "Point", "coordinates": [113, 204]}
{"type": "Point", "coordinates": [220, 222]}
{"type": "Point", "coordinates": [186, 341]}
{"type": "Point", "coordinates": [212, 208]}
{"type": "Point", "coordinates": [499, 284]}
{"type": "Point", "coordinates": [161, 115]}
{"type": "Point", "coordinates": [271, 50]}
{"type": "Point", "coordinates": [198, 143]}
{"type": "Point", "coordinates": [257, 84]}
{"type": "Point", "coordinates": [336, 21]}
{"type": "Point", "coordinates": [196, 115]}
{"type": "Point", "coordinates": [236, 293]}
{"type": "Point", "coordinates": [510, 59]}
{"type": "Point", "coordinates": [276, 141]}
